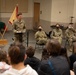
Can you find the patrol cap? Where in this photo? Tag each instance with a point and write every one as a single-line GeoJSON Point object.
{"type": "Point", "coordinates": [70, 26]}
{"type": "Point", "coordinates": [19, 14]}
{"type": "Point", "coordinates": [57, 25]}
{"type": "Point", "coordinates": [40, 27]}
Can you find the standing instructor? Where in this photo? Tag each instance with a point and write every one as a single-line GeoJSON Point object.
{"type": "Point", "coordinates": [19, 28]}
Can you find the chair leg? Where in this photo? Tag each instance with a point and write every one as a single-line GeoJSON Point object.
{"type": "Point", "coordinates": [35, 46]}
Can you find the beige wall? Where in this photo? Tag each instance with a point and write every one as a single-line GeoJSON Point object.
{"type": "Point", "coordinates": [46, 10]}
{"type": "Point", "coordinates": [74, 12]}
{"type": "Point", "coordinates": [28, 14]}
{"type": "Point", "coordinates": [46, 15]}
{"type": "Point", "coordinates": [62, 10]}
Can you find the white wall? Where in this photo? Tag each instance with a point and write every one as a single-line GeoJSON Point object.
{"type": "Point", "coordinates": [46, 10]}
{"type": "Point", "coordinates": [74, 12]}
{"type": "Point", "coordinates": [62, 10]}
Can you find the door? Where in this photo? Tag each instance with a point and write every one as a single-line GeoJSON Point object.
{"type": "Point", "coordinates": [36, 15]}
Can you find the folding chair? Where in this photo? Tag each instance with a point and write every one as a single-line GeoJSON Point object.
{"type": "Point", "coordinates": [39, 46]}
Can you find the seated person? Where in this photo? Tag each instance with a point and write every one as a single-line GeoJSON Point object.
{"type": "Point", "coordinates": [40, 36]}
{"type": "Point", "coordinates": [70, 36]}
{"type": "Point", "coordinates": [31, 60]}
{"type": "Point", "coordinates": [57, 33]}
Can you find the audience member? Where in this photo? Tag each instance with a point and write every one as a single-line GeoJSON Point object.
{"type": "Point", "coordinates": [3, 61]}
{"type": "Point", "coordinates": [56, 64]}
{"type": "Point", "coordinates": [63, 52]}
{"type": "Point", "coordinates": [45, 54]}
{"type": "Point", "coordinates": [72, 58]}
{"type": "Point", "coordinates": [31, 59]}
{"type": "Point", "coordinates": [16, 54]}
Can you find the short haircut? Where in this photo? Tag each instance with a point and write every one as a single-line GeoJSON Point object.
{"type": "Point", "coordinates": [19, 14]}
{"type": "Point", "coordinates": [3, 55]}
{"type": "Point", "coordinates": [30, 51]}
{"type": "Point", "coordinates": [63, 51]}
{"type": "Point", "coordinates": [53, 47]}
{"type": "Point", "coordinates": [45, 54]}
{"type": "Point", "coordinates": [16, 53]}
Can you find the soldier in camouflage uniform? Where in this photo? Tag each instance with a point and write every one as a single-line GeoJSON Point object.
{"type": "Point", "coordinates": [40, 36]}
{"type": "Point", "coordinates": [57, 33]}
{"type": "Point", "coordinates": [19, 28]}
{"type": "Point", "coordinates": [70, 36]}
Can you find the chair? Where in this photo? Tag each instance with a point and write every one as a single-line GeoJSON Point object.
{"type": "Point", "coordinates": [39, 46]}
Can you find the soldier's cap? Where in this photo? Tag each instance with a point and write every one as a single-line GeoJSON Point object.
{"type": "Point", "coordinates": [70, 26]}
{"type": "Point", "coordinates": [19, 14]}
{"type": "Point", "coordinates": [40, 27]}
{"type": "Point", "coordinates": [57, 25]}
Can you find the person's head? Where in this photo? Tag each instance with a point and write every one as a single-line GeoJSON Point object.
{"type": "Point", "coordinates": [63, 51]}
{"type": "Point", "coordinates": [57, 26]}
{"type": "Point", "coordinates": [39, 28]}
{"type": "Point", "coordinates": [30, 51]}
{"type": "Point", "coordinates": [53, 47]}
{"type": "Point", "coordinates": [3, 56]}
{"type": "Point", "coordinates": [19, 16]}
{"type": "Point", "coordinates": [45, 54]}
{"type": "Point", "coordinates": [70, 26]}
{"type": "Point", "coordinates": [16, 53]}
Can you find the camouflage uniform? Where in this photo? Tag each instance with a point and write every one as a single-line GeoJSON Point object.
{"type": "Point", "coordinates": [40, 37]}
{"type": "Point", "coordinates": [57, 34]}
{"type": "Point", "coordinates": [70, 37]}
{"type": "Point", "coordinates": [19, 28]}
